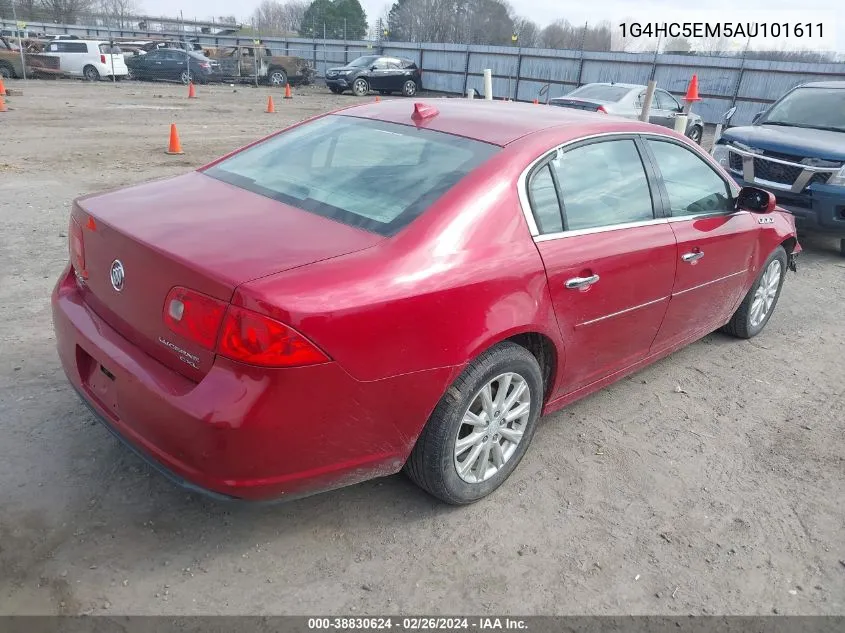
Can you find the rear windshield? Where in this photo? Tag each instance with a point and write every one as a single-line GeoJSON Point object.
{"type": "Point", "coordinates": [596, 91]}
{"type": "Point", "coordinates": [373, 175]}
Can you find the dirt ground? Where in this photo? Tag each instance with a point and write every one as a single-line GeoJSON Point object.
{"type": "Point", "coordinates": [712, 482]}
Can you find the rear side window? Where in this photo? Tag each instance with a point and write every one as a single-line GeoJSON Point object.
{"type": "Point", "coordinates": [603, 184]}
{"type": "Point", "coordinates": [369, 174]}
{"type": "Point", "coordinates": [544, 201]}
{"type": "Point", "coordinates": [693, 186]}
{"type": "Point", "coordinates": [68, 47]}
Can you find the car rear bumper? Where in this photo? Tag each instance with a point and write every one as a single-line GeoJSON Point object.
{"type": "Point", "coordinates": [242, 432]}
{"type": "Point", "coordinates": [819, 208]}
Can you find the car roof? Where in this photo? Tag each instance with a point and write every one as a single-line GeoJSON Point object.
{"type": "Point", "coordinates": [824, 84]}
{"type": "Point", "coordinates": [607, 83]}
{"type": "Point", "coordinates": [496, 122]}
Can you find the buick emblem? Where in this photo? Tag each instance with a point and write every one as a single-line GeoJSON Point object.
{"type": "Point", "coordinates": [117, 275]}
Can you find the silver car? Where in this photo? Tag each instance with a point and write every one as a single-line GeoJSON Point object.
{"type": "Point", "coordinates": [627, 100]}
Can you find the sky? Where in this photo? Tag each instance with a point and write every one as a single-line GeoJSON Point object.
{"type": "Point", "coordinates": [616, 11]}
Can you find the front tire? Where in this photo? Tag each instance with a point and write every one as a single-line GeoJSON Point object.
{"type": "Point", "coordinates": [360, 87]}
{"type": "Point", "coordinates": [90, 73]}
{"type": "Point", "coordinates": [6, 71]}
{"type": "Point", "coordinates": [756, 309]}
{"type": "Point", "coordinates": [695, 134]}
{"type": "Point", "coordinates": [481, 428]}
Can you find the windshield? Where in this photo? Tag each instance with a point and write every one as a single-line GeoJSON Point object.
{"type": "Point", "coordinates": [598, 91]}
{"type": "Point", "coordinates": [363, 62]}
{"type": "Point", "coordinates": [820, 108]}
{"type": "Point", "coordinates": [369, 174]}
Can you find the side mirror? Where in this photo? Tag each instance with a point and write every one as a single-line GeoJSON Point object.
{"type": "Point", "coordinates": [756, 118]}
{"type": "Point", "coordinates": [755, 200]}
{"type": "Point", "coordinates": [729, 114]}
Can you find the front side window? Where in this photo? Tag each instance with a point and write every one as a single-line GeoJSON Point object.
{"type": "Point", "coordinates": [693, 186]}
{"type": "Point", "coordinates": [369, 174]}
{"type": "Point", "coordinates": [603, 184]}
{"type": "Point", "coordinates": [665, 101]}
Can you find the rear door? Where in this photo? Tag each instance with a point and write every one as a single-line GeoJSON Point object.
{"type": "Point", "coordinates": [715, 242]}
{"type": "Point", "coordinates": [610, 261]}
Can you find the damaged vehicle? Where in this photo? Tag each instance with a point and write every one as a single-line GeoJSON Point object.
{"type": "Point", "coordinates": [245, 63]}
{"type": "Point", "coordinates": [11, 66]}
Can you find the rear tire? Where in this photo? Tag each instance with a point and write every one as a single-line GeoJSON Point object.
{"type": "Point", "coordinates": [756, 309]}
{"type": "Point", "coordinates": [409, 88]}
{"type": "Point", "coordinates": [186, 77]}
{"type": "Point", "coordinates": [842, 247]}
{"type": "Point", "coordinates": [90, 73]}
{"type": "Point", "coordinates": [277, 77]}
{"type": "Point", "coordinates": [6, 71]}
{"type": "Point", "coordinates": [493, 434]}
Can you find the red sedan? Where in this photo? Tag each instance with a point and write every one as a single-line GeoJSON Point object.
{"type": "Point", "coordinates": [402, 286]}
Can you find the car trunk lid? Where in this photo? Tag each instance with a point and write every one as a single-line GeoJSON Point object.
{"type": "Point", "coordinates": [199, 233]}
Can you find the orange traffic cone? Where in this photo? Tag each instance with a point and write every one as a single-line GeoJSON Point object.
{"type": "Point", "coordinates": [288, 95]}
{"type": "Point", "coordinates": [175, 146]}
{"type": "Point", "coordinates": [2, 87]}
{"type": "Point", "coordinates": [536, 102]}
{"type": "Point", "coordinates": [192, 91]}
{"type": "Point", "coordinates": [692, 90]}
{"type": "Point", "coordinates": [378, 98]}
{"type": "Point", "coordinates": [271, 107]}
{"type": "Point", "coordinates": [3, 107]}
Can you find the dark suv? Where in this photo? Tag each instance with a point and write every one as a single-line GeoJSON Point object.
{"type": "Point", "coordinates": [796, 150]}
{"type": "Point", "coordinates": [376, 72]}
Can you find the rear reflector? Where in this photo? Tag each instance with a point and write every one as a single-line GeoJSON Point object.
{"type": "Point", "coordinates": [102, 59]}
{"type": "Point", "coordinates": [76, 247]}
{"type": "Point", "coordinates": [194, 316]}
{"type": "Point", "coordinates": [601, 109]}
{"type": "Point", "coordinates": [253, 338]}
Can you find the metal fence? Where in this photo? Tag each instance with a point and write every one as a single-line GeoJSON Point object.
{"type": "Point", "coordinates": [527, 73]}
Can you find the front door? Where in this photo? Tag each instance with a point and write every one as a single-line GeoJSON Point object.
{"type": "Point", "coordinates": [664, 109]}
{"type": "Point", "coordinates": [610, 262]}
{"type": "Point", "coordinates": [379, 75]}
{"type": "Point", "coordinates": [715, 243]}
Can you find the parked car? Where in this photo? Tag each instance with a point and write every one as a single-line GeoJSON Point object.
{"type": "Point", "coordinates": [245, 63]}
{"type": "Point", "coordinates": [796, 149]}
{"type": "Point", "coordinates": [12, 66]}
{"type": "Point", "coordinates": [375, 72]}
{"type": "Point", "coordinates": [171, 64]}
{"type": "Point", "coordinates": [90, 59]}
{"type": "Point", "coordinates": [402, 285]}
{"type": "Point", "coordinates": [627, 100]}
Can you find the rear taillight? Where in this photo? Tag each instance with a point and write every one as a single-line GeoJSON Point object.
{"type": "Point", "coordinates": [253, 338]}
{"type": "Point", "coordinates": [76, 246]}
{"type": "Point", "coordinates": [205, 65]}
{"type": "Point", "coordinates": [194, 316]}
{"type": "Point", "coordinates": [102, 59]}
{"type": "Point", "coordinates": [601, 109]}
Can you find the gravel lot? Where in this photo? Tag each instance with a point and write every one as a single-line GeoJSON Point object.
{"type": "Point", "coordinates": [712, 482]}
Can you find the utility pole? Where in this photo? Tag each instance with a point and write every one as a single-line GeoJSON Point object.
{"type": "Point", "coordinates": [20, 42]}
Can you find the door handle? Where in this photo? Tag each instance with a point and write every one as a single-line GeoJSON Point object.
{"type": "Point", "coordinates": [576, 283]}
{"type": "Point", "coordinates": [692, 257]}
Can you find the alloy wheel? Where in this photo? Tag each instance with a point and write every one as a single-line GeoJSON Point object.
{"type": "Point", "coordinates": [360, 87]}
{"type": "Point", "coordinates": [492, 427]}
{"type": "Point", "coordinates": [766, 293]}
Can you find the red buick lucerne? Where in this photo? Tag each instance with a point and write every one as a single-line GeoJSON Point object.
{"type": "Point", "coordinates": [402, 286]}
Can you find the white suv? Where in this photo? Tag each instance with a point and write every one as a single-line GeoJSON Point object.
{"type": "Point", "coordinates": [91, 59]}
